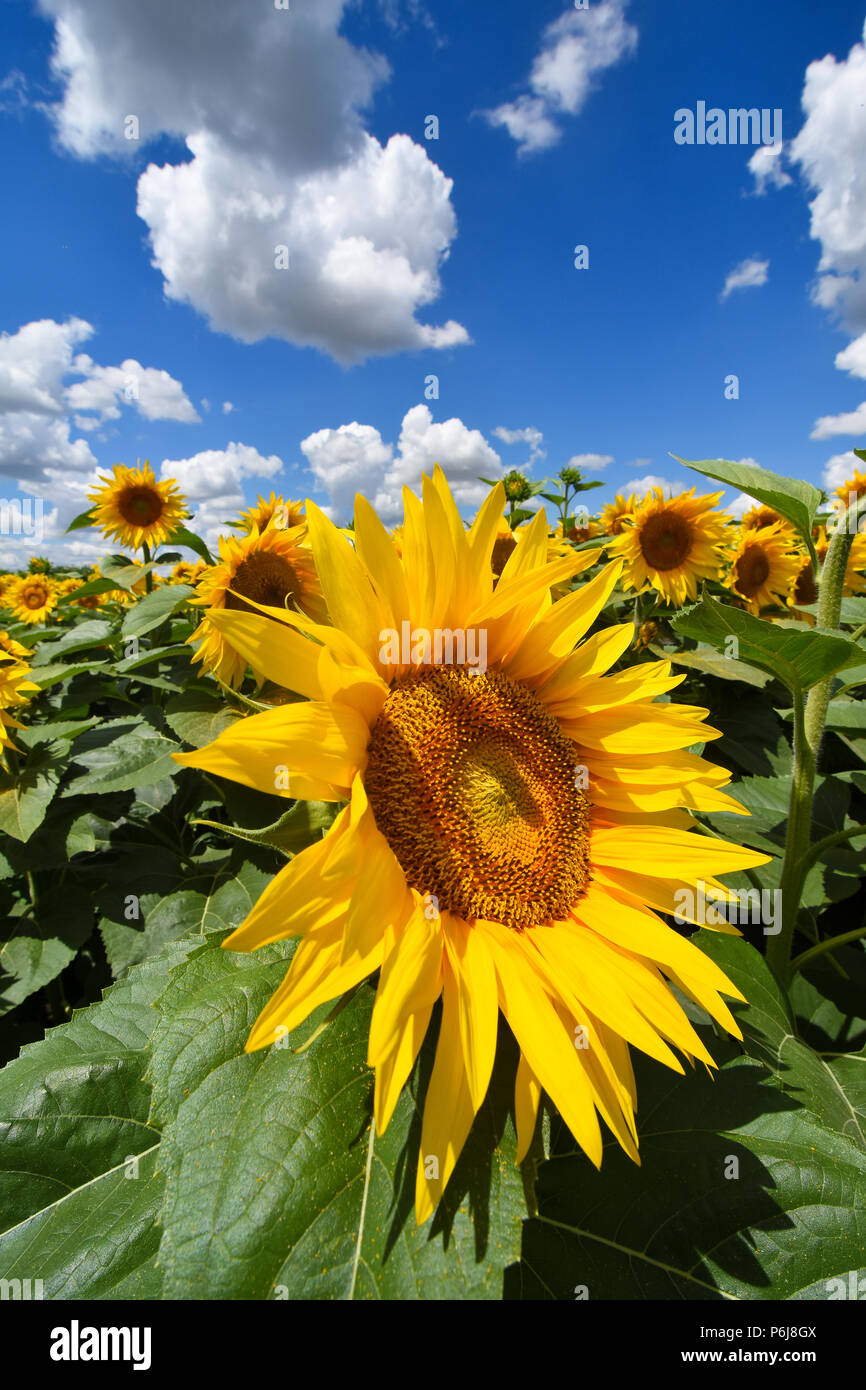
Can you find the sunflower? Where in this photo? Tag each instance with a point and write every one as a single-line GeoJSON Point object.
{"type": "Point", "coordinates": [185, 572]}
{"type": "Point", "coordinates": [272, 511]}
{"type": "Point", "coordinates": [510, 833]}
{"type": "Point", "coordinates": [32, 598]}
{"type": "Point", "coordinates": [855, 486]}
{"type": "Point", "coordinates": [803, 590]}
{"type": "Point", "coordinates": [763, 567]}
{"type": "Point", "coordinates": [759, 518]}
{"type": "Point", "coordinates": [135, 509]}
{"type": "Point", "coordinates": [273, 568]}
{"type": "Point", "coordinates": [578, 533]}
{"type": "Point", "coordinates": [15, 689]}
{"type": "Point", "coordinates": [611, 518]}
{"type": "Point", "coordinates": [671, 543]}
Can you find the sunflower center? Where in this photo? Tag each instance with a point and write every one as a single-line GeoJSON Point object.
{"type": "Point", "coordinates": [35, 598]}
{"type": "Point", "coordinates": [140, 506]}
{"type": "Point", "coordinates": [265, 577]}
{"type": "Point", "coordinates": [753, 569]}
{"type": "Point", "coordinates": [806, 590]}
{"type": "Point", "coordinates": [472, 783]}
{"type": "Point", "coordinates": [665, 540]}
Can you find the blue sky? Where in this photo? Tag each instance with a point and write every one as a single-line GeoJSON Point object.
{"type": "Point", "coordinates": [148, 265]}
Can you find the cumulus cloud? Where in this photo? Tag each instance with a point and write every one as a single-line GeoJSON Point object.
{"type": "Point", "coordinates": [851, 422]}
{"type": "Point", "coordinates": [766, 166]}
{"type": "Point", "coordinates": [288, 219]}
{"type": "Point", "coordinates": [529, 435]}
{"type": "Point", "coordinates": [839, 468]}
{"type": "Point", "coordinates": [590, 463]}
{"type": "Point", "coordinates": [155, 394]}
{"type": "Point", "coordinates": [829, 153]}
{"type": "Point", "coordinates": [575, 49]}
{"type": "Point", "coordinates": [212, 481]}
{"type": "Point", "coordinates": [641, 486]}
{"type": "Point", "coordinates": [355, 458]}
{"type": "Point", "coordinates": [746, 275]}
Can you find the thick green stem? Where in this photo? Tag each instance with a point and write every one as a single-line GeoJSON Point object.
{"type": "Point", "coordinates": [809, 718]}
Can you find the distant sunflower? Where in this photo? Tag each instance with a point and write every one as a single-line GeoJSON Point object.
{"type": "Point", "coordinates": [578, 531]}
{"type": "Point", "coordinates": [273, 510]}
{"type": "Point", "coordinates": [274, 568]}
{"type": "Point", "coordinates": [134, 508]}
{"type": "Point", "coordinates": [13, 648]}
{"type": "Point", "coordinates": [671, 543]}
{"type": "Point", "coordinates": [759, 518]}
{"type": "Point", "coordinates": [32, 598]}
{"type": "Point", "coordinates": [763, 567]}
{"type": "Point", "coordinates": [611, 519]}
{"type": "Point", "coordinates": [185, 572]}
{"type": "Point", "coordinates": [855, 487]}
{"type": "Point", "coordinates": [509, 836]}
{"type": "Point", "coordinates": [15, 689]}
{"type": "Point", "coordinates": [803, 590]}
{"type": "Point", "coordinates": [855, 580]}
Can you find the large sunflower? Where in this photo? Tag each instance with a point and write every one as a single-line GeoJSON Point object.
{"type": "Point", "coordinates": [32, 598]}
{"type": "Point", "coordinates": [671, 543]}
{"type": "Point", "coordinates": [134, 508]}
{"type": "Point", "coordinates": [274, 569]}
{"type": "Point", "coordinates": [510, 834]}
{"type": "Point", "coordinates": [764, 565]}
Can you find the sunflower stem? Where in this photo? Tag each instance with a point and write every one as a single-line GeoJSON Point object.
{"type": "Point", "coordinates": [823, 946]}
{"type": "Point", "coordinates": [148, 581]}
{"type": "Point", "coordinates": [809, 718]}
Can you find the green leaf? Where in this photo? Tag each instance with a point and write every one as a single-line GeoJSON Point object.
{"type": "Point", "coordinates": [276, 1186]}
{"type": "Point", "coordinates": [38, 944]}
{"type": "Point", "coordinates": [83, 520]}
{"type": "Point", "coordinates": [94, 632]}
{"type": "Point", "coordinates": [181, 536]}
{"type": "Point", "coordinates": [846, 714]}
{"type": "Point", "coordinates": [73, 1112]}
{"type": "Point", "coordinates": [198, 716]}
{"type": "Point", "coordinates": [152, 611]}
{"type": "Point", "coordinates": [798, 656]}
{"type": "Point", "coordinates": [797, 501]}
{"type": "Point", "coordinates": [137, 758]}
{"type": "Point", "coordinates": [712, 663]}
{"type": "Point", "coordinates": [53, 672]}
{"type": "Point", "coordinates": [25, 798]}
{"type": "Point", "coordinates": [298, 827]}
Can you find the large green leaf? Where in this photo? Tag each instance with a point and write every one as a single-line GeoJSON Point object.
{"type": "Point", "coordinates": [750, 1184]}
{"type": "Point", "coordinates": [791, 498]}
{"type": "Point", "coordinates": [137, 758]}
{"type": "Point", "coordinates": [712, 663]}
{"type": "Point", "coordinates": [277, 1186]}
{"type": "Point", "coordinates": [25, 797]}
{"type": "Point", "coordinates": [36, 945]}
{"type": "Point", "coordinates": [198, 716]}
{"type": "Point", "coordinates": [181, 536]}
{"type": "Point", "coordinates": [75, 1208]}
{"type": "Point", "coordinates": [152, 611]}
{"type": "Point", "coordinates": [798, 656]}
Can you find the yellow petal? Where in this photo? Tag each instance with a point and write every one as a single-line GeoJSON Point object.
{"type": "Point", "coordinates": [277, 653]}
{"type": "Point", "coordinates": [448, 1107]}
{"type": "Point", "coordinates": [477, 1005]}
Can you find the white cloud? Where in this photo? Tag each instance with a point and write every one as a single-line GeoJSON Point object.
{"type": "Point", "coordinates": [155, 394]}
{"type": "Point", "coordinates": [839, 468]}
{"type": "Point", "coordinates": [746, 275]}
{"type": "Point", "coordinates": [529, 435]}
{"type": "Point", "coordinates": [829, 151]}
{"type": "Point", "coordinates": [365, 226]}
{"type": "Point", "coordinates": [33, 363]}
{"type": "Point", "coordinates": [218, 472]}
{"type": "Point", "coordinates": [592, 463]}
{"type": "Point", "coordinates": [227, 407]}
{"type": "Point", "coordinates": [766, 166]}
{"type": "Point", "coordinates": [852, 422]}
{"type": "Point", "coordinates": [641, 486]}
{"type": "Point", "coordinates": [575, 49]}
{"type": "Point", "coordinates": [853, 358]}
{"type": "Point", "coordinates": [355, 458]}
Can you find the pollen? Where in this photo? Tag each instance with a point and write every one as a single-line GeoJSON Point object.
{"type": "Point", "coordinates": [472, 783]}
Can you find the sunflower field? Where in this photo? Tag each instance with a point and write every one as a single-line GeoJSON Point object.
{"type": "Point", "coordinates": [471, 910]}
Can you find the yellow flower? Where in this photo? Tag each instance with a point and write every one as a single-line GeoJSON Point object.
{"type": "Point", "coordinates": [763, 567]}
{"type": "Point", "coordinates": [15, 689]}
{"type": "Point", "coordinates": [855, 486]}
{"type": "Point", "coordinates": [671, 543]}
{"type": "Point", "coordinates": [803, 590]}
{"type": "Point", "coordinates": [135, 509]}
{"type": "Point", "coordinates": [274, 568]}
{"type": "Point", "coordinates": [647, 634]}
{"type": "Point", "coordinates": [32, 598]}
{"type": "Point", "coordinates": [578, 533]}
{"type": "Point", "coordinates": [273, 511]}
{"type": "Point", "coordinates": [185, 572]}
{"type": "Point", "coordinates": [855, 580]}
{"type": "Point", "coordinates": [13, 648]}
{"type": "Point", "coordinates": [759, 518]}
{"type": "Point", "coordinates": [510, 834]}
{"type": "Point", "coordinates": [612, 514]}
